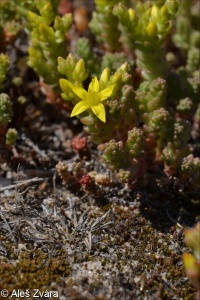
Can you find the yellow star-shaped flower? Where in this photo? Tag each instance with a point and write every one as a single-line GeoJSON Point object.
{"type": "Point", "coordinates": [91, 99]}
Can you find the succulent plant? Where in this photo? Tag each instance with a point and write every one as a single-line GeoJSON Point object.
{"type": "Point", "coordinates": [192, 261]}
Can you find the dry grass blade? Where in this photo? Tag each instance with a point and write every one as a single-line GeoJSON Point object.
{"type": "Point", "coordinates": [20, 183]}
{"type": "Point", "coordinates": [7, 226]}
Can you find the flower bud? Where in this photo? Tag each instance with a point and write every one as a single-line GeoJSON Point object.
{"type": "Point", "coordinates": [123, 67]}
{"type": "Point", "coordinates": [154, 12]}
{"type": "Point", "coordinates": [105, 76]}
{"type": "Point", "coordinates": [132, 15]}
{"type": "Point", "coordinates": [173, 6]}
{"type": "Point", "coordinates": [71, 60]}
{"type": "Point", "coordinates": [79, 73]}
{"type": "Point", "coordinates": [164, 12]}
{"type": "Point", "coordinates": [116, 78]}
{"type": "Point", "coordinates": [67, 66]}
{"type": "Point", "coordinates": [66, 88]}
{"type": "Point", "coordinates": [151, 29]}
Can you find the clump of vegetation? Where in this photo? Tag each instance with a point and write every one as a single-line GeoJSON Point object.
{"type": "Point", "coordinates": [145, 128]}
{"type": "Point", "coordinates": [192, 261]}
{"type": "Point", "coordinates": [106, 96]}
{"type": "Point", "coordinates": [6, 113]}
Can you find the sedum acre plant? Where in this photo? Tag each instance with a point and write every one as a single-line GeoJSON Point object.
{"type": "Point", "coordinates": [192, 261]}
{"type": "Point", "coordinates": [136, 102]}
{"type": "Point", "coordinates": [4, 65]}
{"type": "Point", "coordinates": [90, 100]}
{"type": "Point", "coordinates": [6, 114]}
{"type": "Point", "coordinates": [127, 72]}
{"type": "Point", "coordinates": [47, 37]}
{"type": "Point", "coordinates": [142, 29]}
{"type": "Point", "coordinates": [47, 43]}
{"type": "Point", "coordinates": [141, 118]}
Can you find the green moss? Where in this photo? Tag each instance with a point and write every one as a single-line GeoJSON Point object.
{"type": "Point", "coordinates": [34, 269]}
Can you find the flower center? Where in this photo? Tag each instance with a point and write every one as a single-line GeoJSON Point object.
{"type": "Point", "coordinates": [92, 98]}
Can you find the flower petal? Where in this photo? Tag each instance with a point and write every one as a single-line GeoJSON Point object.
{"type": "Point", "coordinates": [79, 91]}
{"type": "Point", "coordinates": [94, 85]}
{"type": "Point", "coordinates": [99, 111]}
{"type": "Point", "coordinates": [79, 108]}
{"type": "Point", "coordinates": [68, 87]}
{"type": "Point", "coordinates": [106, 93]}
